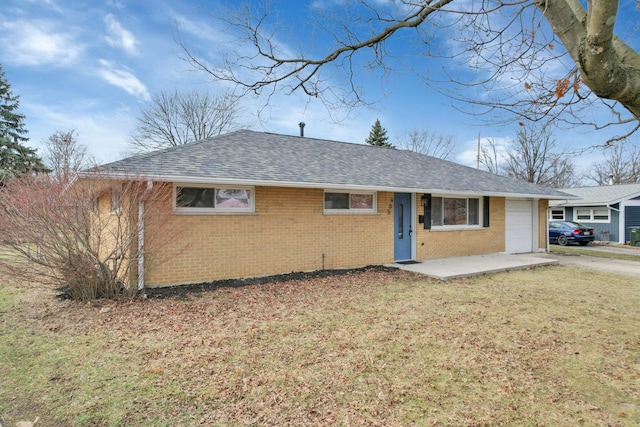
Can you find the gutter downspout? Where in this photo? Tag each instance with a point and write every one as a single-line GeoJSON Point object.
{"type": "Point", "coordinates": [141, 240]}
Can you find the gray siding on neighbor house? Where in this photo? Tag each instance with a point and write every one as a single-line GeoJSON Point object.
{"type": "Point", "coordinates": [615, 224]}
{"type": "Point", "coordinates": [609, 231]}
{"type": "Point", "coordinates": [603, 231]}
{"type": "Point", "coordinates": [568, 213]}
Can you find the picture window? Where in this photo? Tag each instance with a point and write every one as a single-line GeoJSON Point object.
{"type": "Point", "coordinates": [455, 211]}
{"type": "Point", "coordinates": [349, 202]}
{"type": "Point", "coordinates": [214, 199]}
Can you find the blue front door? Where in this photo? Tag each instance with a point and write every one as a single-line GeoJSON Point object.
{"type": "Point", "coordinates": [402, 226]}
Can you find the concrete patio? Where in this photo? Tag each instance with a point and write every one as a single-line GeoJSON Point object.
{"type": "Point", "coordinates": [474, 265]}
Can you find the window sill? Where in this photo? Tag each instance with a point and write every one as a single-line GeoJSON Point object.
{"type": "Point", "coordinates": [212, 213]}
{"type": "Point", "coordinates": [349, 212]}
{"type": "Point", "coordinates": [440, 228]}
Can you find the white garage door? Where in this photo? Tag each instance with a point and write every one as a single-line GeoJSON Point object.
{"type": "Point", "coordinates": [519, 226]}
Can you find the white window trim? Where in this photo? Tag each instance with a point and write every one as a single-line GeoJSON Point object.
{"type": "Point", "coordinates": [435, 227]}
{"type": "Point", "coordinates": [214, 211]}
{"type": "Point", "coordinates": [564, 214]}
{"type": "Point", "coordinates": [591, 214]}
{"type": "Point", "coordinates": [373, 210]}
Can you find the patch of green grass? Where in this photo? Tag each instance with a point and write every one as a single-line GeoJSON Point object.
{"type": "Point", "coordinates": [67, 376]}
{"type": "Point", "coordinates": [515, 348]}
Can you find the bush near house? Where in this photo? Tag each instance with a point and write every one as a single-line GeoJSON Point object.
{"type": "Point", "coordinates": [82, 236]}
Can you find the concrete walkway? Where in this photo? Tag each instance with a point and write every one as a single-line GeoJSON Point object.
{"type": "Point", "coordinates": [616, 249]}
{"type": "Point", "coordinates": [609, 265]}
{"type": "Point", "coordinates": [475, 265]}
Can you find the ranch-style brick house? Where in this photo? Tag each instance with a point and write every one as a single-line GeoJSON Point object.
{"type": "Point", "coordinates": [251, 204]}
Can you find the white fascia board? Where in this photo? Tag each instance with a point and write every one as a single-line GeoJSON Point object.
{"type": "Point", "coordinates": [330, 186]}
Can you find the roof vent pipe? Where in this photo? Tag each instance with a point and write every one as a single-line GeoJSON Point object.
{"type": "Point", "coordinates": [301, 124]}
{"type": "Point", "coordinates": [611, 179]}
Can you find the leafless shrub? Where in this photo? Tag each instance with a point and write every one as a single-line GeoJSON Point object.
{"type": "Point", "coordinates": [86, 236]}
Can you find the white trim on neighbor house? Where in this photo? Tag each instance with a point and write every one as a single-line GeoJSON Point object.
{"type": "Point", "coordinates": [557, 214]}
{"type": "Point", "coordinates": [596, 214]}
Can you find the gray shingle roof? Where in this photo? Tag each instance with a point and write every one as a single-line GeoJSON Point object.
{"type": "Point", "coordinates": [603, 195]}
{"type": "Point", "coordinates": [260, 158]}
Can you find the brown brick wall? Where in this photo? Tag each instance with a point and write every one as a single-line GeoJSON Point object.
{"type": "Point", "coordinates": [436, 243]}
{"type": "Point", "coordinates": [288, 232]}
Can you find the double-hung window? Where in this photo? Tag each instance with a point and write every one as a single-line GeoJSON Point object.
{"type": "Point", "coordinates": [556, 214]}
{"type": "Point", "coordinates": [349, 202]}
{"type": "Point", "coordinates": [592, 214]}
{"type": "Point", "coordinates": [214, 199]}
{"type": "Point", "coordinates": [455, 211]}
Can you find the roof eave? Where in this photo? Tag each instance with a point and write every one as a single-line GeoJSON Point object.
{"type": "Point", "coordinates": [320, 185]}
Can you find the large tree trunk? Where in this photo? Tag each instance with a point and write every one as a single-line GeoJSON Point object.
{"type": "Point", "coordinates": [609, 67]}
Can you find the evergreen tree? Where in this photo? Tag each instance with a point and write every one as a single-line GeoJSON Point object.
{"type": "Point", "coordinates": [15, 158]}
{"type": "Point", "coordinates": [378, 136]}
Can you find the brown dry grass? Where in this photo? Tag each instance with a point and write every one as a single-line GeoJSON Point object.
{"type": "Point", "coordinates": [552, 346]}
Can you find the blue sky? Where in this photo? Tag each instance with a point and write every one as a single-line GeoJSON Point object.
{"type": "Point", "coordinates": [91, 65]}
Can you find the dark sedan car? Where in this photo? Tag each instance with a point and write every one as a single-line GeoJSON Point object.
{"type": "Point", "coordinates": [565, 232]}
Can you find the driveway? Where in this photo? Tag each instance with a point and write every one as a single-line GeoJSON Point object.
{"type": "Point", "coordinates": [473, 265]}
{"type": "Point", "coordinates": [618, 266]}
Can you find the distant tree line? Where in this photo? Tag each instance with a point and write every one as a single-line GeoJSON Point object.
{"type": "Point", "coordinates": [533, 157]}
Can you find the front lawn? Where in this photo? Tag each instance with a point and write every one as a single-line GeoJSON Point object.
{"type": "Point", "coordinates": [550, 346]}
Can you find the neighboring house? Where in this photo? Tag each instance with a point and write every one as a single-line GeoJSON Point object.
{"type": "Point", "coordinates": [610, 210]}
{"type": "Point", "coordinates": [256, 204]}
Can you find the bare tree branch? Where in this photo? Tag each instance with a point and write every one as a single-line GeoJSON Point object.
{"type": "Point", "coordinates": [620, 165]}
{"type": "Point", "coordinates": [178, 118]}
{"type": "Point", "coordinates": [532, 158]}
{"type": "Point", "coordinates": [508, 52]}
{"type": "Point", "coordinates": [425, 142]}
{"type": "Point", "coordinates": [64, 155]}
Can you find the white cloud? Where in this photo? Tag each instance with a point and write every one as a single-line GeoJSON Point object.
{"type": "Point", "coordinates": [123, 78]}
{"type": "Point", "coordinates": [469, 155]}
{"type": "Point", "coordinates": [199, 29]}
{"type": "Point", "coordinates": [38, 42]}
{"type": "Point", "coordinates": [105, 133]}
{"type": "Point", "coordinates": [119, 37]}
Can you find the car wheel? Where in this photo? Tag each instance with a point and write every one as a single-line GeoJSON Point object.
{"type": "Point", "coordinates": [562, 240]}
